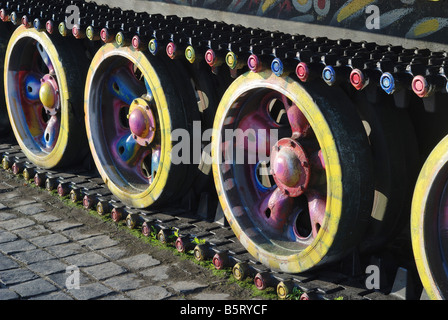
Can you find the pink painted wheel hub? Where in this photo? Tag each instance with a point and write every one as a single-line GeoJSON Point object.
{"type": "Point", "coordinates": [142, 122]}
{"type": "Point", "coordinates": [290, 167]}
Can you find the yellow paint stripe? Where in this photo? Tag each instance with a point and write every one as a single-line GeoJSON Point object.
{"type": "Point", "coordinates": [427, 26]}
{"type": "Point", "coordinates": [351, 8]}
{"type": "Point", "coordinates": [267, 4]}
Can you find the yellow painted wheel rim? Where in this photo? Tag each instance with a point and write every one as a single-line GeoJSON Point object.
{"type": "Point", "coordinates": [316, 252]}
{"type": "Point", "coordinates": [135, 197]}
{"type": "Point", "coordinates": [426, 195]}
{"type": "Point", "coordinates": [42, 159]}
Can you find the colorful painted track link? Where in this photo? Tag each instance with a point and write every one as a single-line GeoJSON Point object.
{"type": "Point", "coordinates": [355, 120]}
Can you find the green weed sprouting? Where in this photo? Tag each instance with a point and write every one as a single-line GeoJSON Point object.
{"type": "Point", "coordinates": [198, 241]}
{"type": "Point", "coordinates": [295, 294]}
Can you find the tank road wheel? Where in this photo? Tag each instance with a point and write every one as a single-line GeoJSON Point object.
{"type": "Point", "coordinates": [429, 222]}
{"type": "Point", "coordinates": [44, 94]}
{"type": "Point", "coordinates": [394, 150]}
{"type": "Point", "coordinates": [5, 33]}
{"type": "Point", "coordinates": [133, 104]}
{"type": "Point", "coordinates": [306, 201]}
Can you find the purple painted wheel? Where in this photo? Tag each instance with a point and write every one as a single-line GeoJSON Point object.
{"type": "Point", "coordinates": [39, 97]}
{"type": "Point", "coordinates": [129, 125]}
{"type": "Point", "coordinates": [134, 103]}
{"type": "Point", "coordinates": [288, 187]}
{"type": "Point", "coordinates": [43, 80]}
{"type": "Point", "coordinates": [136, 106]}
{"type": "Point", "coordinates": [291, 183]}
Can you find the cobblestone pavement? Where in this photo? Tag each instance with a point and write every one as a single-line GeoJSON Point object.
{"type": "Point", "coordinates": [46, 244]}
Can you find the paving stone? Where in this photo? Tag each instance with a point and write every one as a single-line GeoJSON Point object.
{"type": "Point", "coordinates": [53, 296]}
{"type": "Point", "coordinates": [125, 282]}
{"type": "Point", "coordinates": [90, 291]}
{"type": "Point", "coordinates": [79, 234]}
{"type": "Point", "coordinates": [33, 256]}
{"type": "Point", "coordinates": [61, 278]}
{"type": "Point", "coordinates": [31, 209]}
{"type": "Point", "coordinates": [21, 203]}
{"type": "Point", "coordinates": [15, 276]}
{"type": "Point", "coordinates": [211, 296]}
{"type": "Point", "coordinates": [33, 232]}
{"type": "Point", "coordinates": [9, 195]}
{"type": "Point", "coordinates": [99, 242]}
{"type": "Point", "coordinates": [45, 217]}
{"type": "Point", "coordinates": [49, 240]}
{"type": "Point", "coordinates": [48, 267]}
{"type": "Point", "coordinates": [140, 261]}
{"type": "Point", "coordinates": [149, 293]}
{"type": "Point", "coordinates": [187, 286]}
{"type": "Point", "coordinates": [86, 259]}
{"type": "Point", "coordinates": [18, 223]}
{"type": "Point", "coordinates": [114, 253]}
{"type": "Point", "coordinates": [7, 216]}
{"type": "Point", "coordinates": [67, 249]}
{"type": "Point", "coordinates": [114, 296]}
{"type": "Point", "coordinates": [157, 273]}
{"type": "Point", "coordinates": [6, 236]}
{"type": "Point", "coordinates": [16, 246]}
{"type": "Point", "coordinates": [5, 187]}
{"type": "Point", "coordinates": [6, 294]}
{"type": "Point", "coordinates": [6, 263]}
{"type": "Point", "coordinates": [104, 270]}
{"type": "Point", "coordinates": [63, 225]}
{"type": "Point", "coordinates": [33, 288]}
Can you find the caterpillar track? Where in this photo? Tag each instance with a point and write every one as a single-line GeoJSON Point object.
{"type": "Point", "coordinates": [191, 233]}
{"type": "Point", "coordinates": [102, 112]}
